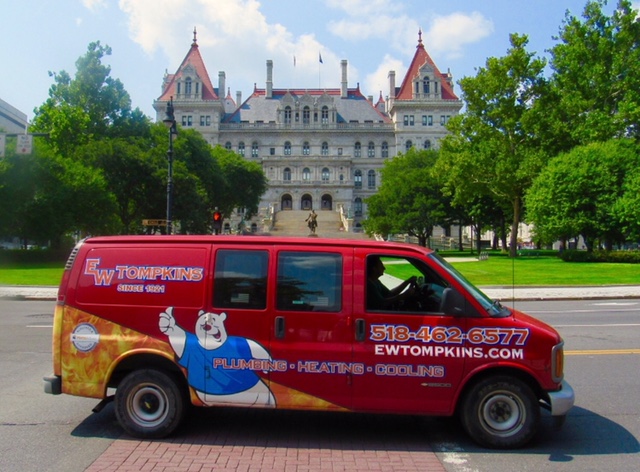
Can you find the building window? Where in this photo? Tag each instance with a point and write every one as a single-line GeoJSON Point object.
{"type": "Point", "coordinates": [254, 149]}
{"type": "Point", "coordinates": [227, 145]}
{"type": "Point", "coordinates": [241, 148]}
{"type": "Point", "coordinates": [427, 144]}
{"type": "Point", "coordinates": [187, 86]}
{"type": "Point", "coordinates": [325, 174]}
{"type": "Point", "coordinates": [358, 206]}
{"type": "Point", "coordinates": [339, 151]}
{"type": "Point", "coordinates": [272, 151]}
{"type": "Point", "coordinates": [406, 120]}
{"type": "Point", "coordinates": [371, 149]}
{"type": "Point", "coordinates": [287, 115]}
{"type": "Point", "coordinates": [408, 145]}
{"type": "Point", "coordinates": [306, 174]}
{"type": "Point", "coordinates": [325, 149]}
{"type": "Point", "coordinates": [325, 115]}
{"type": "Point", "coordinates": [371, 179]}
{"type": "Point", "coordinates": [425, 85]}
{"type": "Point", "coordinates": [287, 148]}
{"type": "Point", "coordinates": [358, 179]}
{"type": "Point", "coordinates": [358, 150]}
{"type": "Point", "coordinates": [305, 149]}
{"type": "Point", "coordinates": [187, 120]}
{"type": "Point", "coordinates": [286, 176]}
{"type": "Point", "coordinates": [443, 120]}
{"type": "Point", "coordinates": [430, 120]}
{"type": "Point", "coordinates": [306, 116]}
{"type": "Point", "coordinates": [385, 149]}
{"type": "Point", "coordinates": [411, 120]}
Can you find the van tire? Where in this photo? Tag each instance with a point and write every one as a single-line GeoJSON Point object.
{"type": "Point", "coordinates": [149, 404]}
{"type": "Point", "coordinates": [500, 412]}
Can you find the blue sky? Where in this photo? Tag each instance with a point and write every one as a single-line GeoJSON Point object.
{"type": "Point", "coordinates": [149, 37]}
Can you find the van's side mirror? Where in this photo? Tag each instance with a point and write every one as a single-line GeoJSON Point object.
{"type": "Point", "coordinates": [452, 302]}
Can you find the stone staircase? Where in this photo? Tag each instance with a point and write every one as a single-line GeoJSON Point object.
{"type": "Point", "coordinates": [292, 223]}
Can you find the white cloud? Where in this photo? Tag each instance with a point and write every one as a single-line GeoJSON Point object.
{"type": "Point", "coordinates": [378, 81]}
{"type": "Point", "coordinates": [94, 5]}
{"type": "Point", "coordinates": [449, 34]}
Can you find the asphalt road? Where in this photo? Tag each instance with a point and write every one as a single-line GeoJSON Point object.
{"type": "Point", "coordinates": [59, 433]}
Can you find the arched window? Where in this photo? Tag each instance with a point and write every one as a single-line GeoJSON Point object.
{"type": "Point", "coordinates": [371, 149]}
{"type": "Point", "coordinates": [325, 174]}
{"type": "Point", "coordinates": [287, 148]}
{"type": "Point", "coordinates": [358, 179]}
{"type": "Point", "coordinates": [325, 115]}
{"type": "Point", "coordinates": [241, 148]}
{"type": "Point", "coordinates": [408, 145]}
{"type": "Point", "coordinates": [427, 144]}
{"type": "Point", "coordinates": [425, 85]}
{"type": "Point", "coordinates": [227, 145]}
{"type": "Point", "coordinates": [357, 149]}
{"type": "Point", "coordinates": [385, 149]}
{"type": "Point", "coordinates": [306, 174]}
{"type": "Point", "coordinates": [371, 179]}
{"type": "Point", "coordinates": [325, 149]}
{"type": "Point", "coordinates": [254, 149]}
{"type": "Point", "coordinates": [306, 115]}
{"type": "Point", "coordinates": [286, 175]}
{"type": "Point", "coordinates": [358, 206]}
{"type": "Point", "coordinates": [287, 115]}
{"type": "Point", "coordinates": [306, 150]}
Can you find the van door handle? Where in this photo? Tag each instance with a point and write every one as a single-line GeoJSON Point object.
{"type": "Point", "coordinates": [360, 327]}
{"type": "Point", "coordinates": [279, 327]}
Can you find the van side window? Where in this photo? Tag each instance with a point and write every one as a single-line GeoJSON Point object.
{"type": "Point", "coordinates": [309, 281]}
{"type": "Point", "coordinates": [240, 279]}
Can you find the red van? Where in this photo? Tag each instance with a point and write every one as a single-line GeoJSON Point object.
{"type": "Point", "coordinates": [297, 323]}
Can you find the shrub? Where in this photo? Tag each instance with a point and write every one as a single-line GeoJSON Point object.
{"type": "Point", "coordinates": [573, 255]}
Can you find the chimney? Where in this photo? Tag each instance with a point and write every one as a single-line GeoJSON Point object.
{"type": "Point", "coordinates": [269, 78]}
{"type": "Point", "coordinates": [343, 90]}
{"type": "Point", "coordinates": [238, 98]}
{"type": "Point", "coordinates": [222, 86]}
{"type": "Point", "coordinates": [392, 84]}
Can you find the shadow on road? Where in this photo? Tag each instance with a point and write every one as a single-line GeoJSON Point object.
{"type": "Point", "coordinates": [584, 433]}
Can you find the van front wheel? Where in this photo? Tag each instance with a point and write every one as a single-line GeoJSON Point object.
{"type": "Point", "coordinates": [149, 404]}
{"type": "Point", "coordinates": [500, 412]}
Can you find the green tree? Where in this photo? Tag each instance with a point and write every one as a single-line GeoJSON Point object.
{"type": "Point", "coordinates": [490, 149]}
{"type": "Point", "coordinates": [90, 106]}
{"type": "Point", "coordinates": [596, 79]}
{"type": "Point", "coordinates": [409, 200]}
{"type": "Point", "coordinates": [244, 183]}
{"type": "Point", "coordinates": [580, 192]}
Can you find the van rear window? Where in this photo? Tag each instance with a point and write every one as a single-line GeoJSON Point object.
{"type": "Point", "coordinates": [240, 279]}
{"type": "Point", "coordinates": [309, 281]}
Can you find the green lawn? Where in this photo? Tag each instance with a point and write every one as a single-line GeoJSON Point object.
{"type": "Point", "coordinates": [539, 271]}
{"type": "Point", "coordinates": [494, 271]}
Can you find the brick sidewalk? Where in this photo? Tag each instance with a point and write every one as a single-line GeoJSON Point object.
{"type": "Point", "coordinates": [254, 440]}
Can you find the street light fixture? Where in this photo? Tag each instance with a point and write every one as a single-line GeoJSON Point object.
{"type": "Point", "coordinates": [170, 122]}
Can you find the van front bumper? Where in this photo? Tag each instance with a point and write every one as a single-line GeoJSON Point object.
{"type": "Point", "coordinates": [53, 385]}
{"type": "Point", "coordinates": [560, 402]}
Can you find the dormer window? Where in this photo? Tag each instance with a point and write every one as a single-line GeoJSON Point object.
{"type": "Point", "coordinates": [426, 85]}
{"type": "Point", "coordinates": [187, 86]}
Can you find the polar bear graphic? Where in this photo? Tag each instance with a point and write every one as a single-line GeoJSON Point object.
{"type": "Point", "coordinates": [200, 354]}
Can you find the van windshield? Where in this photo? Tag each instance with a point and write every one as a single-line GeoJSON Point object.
{"type": "Point", "coordinates": [493, 308]}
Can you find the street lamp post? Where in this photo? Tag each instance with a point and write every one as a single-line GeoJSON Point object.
{"type": "Point", "coordinates": [170, 122]}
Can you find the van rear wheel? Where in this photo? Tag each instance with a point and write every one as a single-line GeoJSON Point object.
{"type": "Point", "coordinates": [149, 404]}
{"type": "Point", "coordinates": [500, 412]}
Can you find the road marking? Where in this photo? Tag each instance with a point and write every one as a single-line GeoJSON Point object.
{"type": "Point", "coordinates": [601, 352]}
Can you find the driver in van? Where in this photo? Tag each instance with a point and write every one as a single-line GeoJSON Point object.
{"type": "Point", "coordinates": [379, 297]}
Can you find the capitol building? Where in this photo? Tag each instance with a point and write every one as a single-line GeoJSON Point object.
{"type": "Point", "coordinates": [321, 149]}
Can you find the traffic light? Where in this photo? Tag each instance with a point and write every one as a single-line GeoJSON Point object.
{"type": "Point", "coordinates": [217, 222]}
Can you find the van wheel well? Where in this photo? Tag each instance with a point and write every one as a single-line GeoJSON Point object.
{"type": "Point", "coordinates": [515, 373]}
{"type": "Point", "coordinates": [146, 361]}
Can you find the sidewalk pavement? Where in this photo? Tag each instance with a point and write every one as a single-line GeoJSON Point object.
{"type": "Point", "coordinates": [503, 293]}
